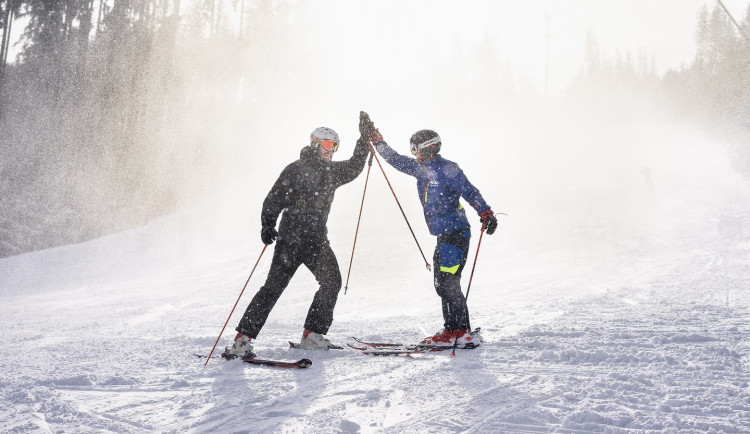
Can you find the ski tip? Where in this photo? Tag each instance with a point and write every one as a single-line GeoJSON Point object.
{"type": "Point", "coordinates": [304, 363]}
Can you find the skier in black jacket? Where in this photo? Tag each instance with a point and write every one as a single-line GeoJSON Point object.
{"type": "Point", "coordinates": [303, 195]}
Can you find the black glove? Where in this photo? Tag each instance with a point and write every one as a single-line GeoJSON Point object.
{"type": "Point", "coordinates": [365, 125]}
{"type": "Point", "coordinates": [268, 234]}
{"type": "Point", "coordinates": [488, 219]}
{"type": "Point", "coordinates": [361, 146]}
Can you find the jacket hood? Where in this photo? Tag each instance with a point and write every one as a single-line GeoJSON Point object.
{"type": "Point", "coordinates": [310, 155]}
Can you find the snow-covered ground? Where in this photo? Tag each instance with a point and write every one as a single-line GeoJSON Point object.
{"type": "Point", "coordinates": [607, 304]}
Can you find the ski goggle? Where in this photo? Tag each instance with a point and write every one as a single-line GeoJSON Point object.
{"type": "Point", "coordinates": [415, 148]}
{"type": "Point", "coordinates": [329, 145]}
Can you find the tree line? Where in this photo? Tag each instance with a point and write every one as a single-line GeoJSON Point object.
{"type": "Point", "coordinates": [712, 90]}
{"type": "Point", "coordinates": [107, 114]}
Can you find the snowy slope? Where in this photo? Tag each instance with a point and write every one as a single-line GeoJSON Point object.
{"type": "Point", "coordinates": [606, 306]}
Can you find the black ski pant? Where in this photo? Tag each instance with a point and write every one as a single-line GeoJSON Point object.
{"type": "Point", "coordinates": [318, 257]}
{"type": "Point", "coordinates": [448, 262]}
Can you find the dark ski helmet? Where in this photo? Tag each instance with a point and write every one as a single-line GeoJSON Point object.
{"type": "Point", "coordinates": [425, 142]}
{"type": "Point", "coordinates": [326, 137]}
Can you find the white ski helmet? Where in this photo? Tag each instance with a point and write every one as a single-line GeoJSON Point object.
{"type": "Point", "coordinates": [326, 137]}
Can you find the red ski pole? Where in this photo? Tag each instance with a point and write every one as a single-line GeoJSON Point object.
{"type": "Point", "coordinates": [476, 255]}
{"type": "Point", "coordinates": [235, 304]}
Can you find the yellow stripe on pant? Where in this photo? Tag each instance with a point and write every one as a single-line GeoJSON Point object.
{"type": "Point", "coordinates": [451, 270]}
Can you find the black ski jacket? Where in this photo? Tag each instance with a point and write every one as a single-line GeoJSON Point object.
{"type": "Point", "coordinates": [304, 192]}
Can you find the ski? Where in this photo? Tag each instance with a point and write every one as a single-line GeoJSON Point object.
{"type": "Point", "coordinates": [295, 345]}
{"type": "Point", "coordinates": [389, 351]}
{"type": "Point", "coordinates": [365, 345]}
{"type": "Point", "coordinates": [299, 364]}
{"type": "Point", "coordinates": [376, 344]}
{"type": "Point", "coordinates": [409, 348]}
{"type": "Point", "coordinates": [203, 356]}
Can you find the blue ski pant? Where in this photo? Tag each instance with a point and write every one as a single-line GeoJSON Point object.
{"type": "Point", "coordinates": [449, 260]}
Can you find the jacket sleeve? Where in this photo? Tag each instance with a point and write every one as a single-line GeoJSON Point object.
{"type": "Point", "coordinates": [400, 162]}
{"type": "Point", "coordinates": [349, 169]}
{"type": "Point", "coordinates": [467, 190]}
{"type": "Point", "coordinates": [278, 198]}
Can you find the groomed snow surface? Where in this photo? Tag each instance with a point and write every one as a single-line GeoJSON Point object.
{"type": "Point", "coordinates": [601, 312]}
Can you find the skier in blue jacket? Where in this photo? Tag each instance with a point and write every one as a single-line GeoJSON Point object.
{"type": "Point", "coordinates": [440, 184]}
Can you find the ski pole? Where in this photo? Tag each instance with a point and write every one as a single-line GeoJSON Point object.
{"type": "Point", "coordinates": [468, 288]}
{"type": "Point", "coordinates": [356, 232]}
{"type": "Point", "coordinates": [427, 264]}
{"type": "Point", "coordinates": [476, 255]}
{"type": "Point", "coordinates": [235, 304]}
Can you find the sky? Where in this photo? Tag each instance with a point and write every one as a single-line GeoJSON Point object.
{"type": "Point", "coordinates": [401, 58]}
{"type": "Point", "coordinates": [663, 29]}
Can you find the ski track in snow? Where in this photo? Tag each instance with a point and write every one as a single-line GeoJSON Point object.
{"type": "Point", "coordinates": [640, 331]}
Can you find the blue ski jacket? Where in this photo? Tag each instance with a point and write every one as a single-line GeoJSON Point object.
{"type": "Point", "coordinates": [440, 185]}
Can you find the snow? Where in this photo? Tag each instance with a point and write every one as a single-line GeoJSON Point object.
{"type": "Point", "coordinates": [605, 307]}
